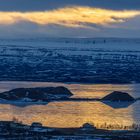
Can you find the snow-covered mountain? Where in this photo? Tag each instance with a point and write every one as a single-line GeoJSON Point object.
{"type": "Point", "coordinates": [87, 60]}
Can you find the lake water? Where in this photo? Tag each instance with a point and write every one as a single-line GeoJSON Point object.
{"type": "Point", "coordinates": [75, 114]}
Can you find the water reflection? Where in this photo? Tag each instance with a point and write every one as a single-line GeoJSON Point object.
{"type": "Point", "coordinates": [114, 105]}
{"type": "Point", "coordinates": [117, 105]}
{"type": "Point", "coordinates": [74, 114]}
{"type": "Point", "coordinates": [68, 114]}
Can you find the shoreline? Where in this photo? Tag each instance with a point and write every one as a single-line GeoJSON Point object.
{"type": "Point", "coordinates": [16, 130]}
{"type": "Point", "coordinates": [66, 83]}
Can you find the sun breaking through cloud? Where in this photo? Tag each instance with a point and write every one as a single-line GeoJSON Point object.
{"type": "Point", "coordinates": [70, 16]}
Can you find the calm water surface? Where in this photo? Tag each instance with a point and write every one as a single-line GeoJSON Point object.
{"type": "Point", "coordinates": [74, 114]}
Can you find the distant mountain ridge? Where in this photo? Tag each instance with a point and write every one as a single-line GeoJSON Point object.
{"type": "Point", "coordinates": [75, 40]}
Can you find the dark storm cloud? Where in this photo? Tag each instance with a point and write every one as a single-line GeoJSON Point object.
{"type": "Point", "coordinates": [38, 5]}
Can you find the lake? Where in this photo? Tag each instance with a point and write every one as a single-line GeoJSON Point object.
{"type": "Point", "coordinates": [75, 114]}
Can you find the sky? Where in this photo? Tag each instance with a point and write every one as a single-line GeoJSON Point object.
{"type": "Point", "coordinates": [69, 18]}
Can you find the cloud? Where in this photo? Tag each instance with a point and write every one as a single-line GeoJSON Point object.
{"type": "Point", "coordinates": [70, 17]}
{"type": "Point", "coordinates": [70, 21]}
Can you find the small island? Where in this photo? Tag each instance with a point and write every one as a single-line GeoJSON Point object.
{"type": "Point", "coordinates": [118, 96]}
{"type": "Point", "coordinates": [36, 94]}
{"type": "Point", "coordinates": [44, 95]}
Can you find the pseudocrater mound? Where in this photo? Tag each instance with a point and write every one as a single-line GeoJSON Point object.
{"type": "Point", "coordinates": [117, 96]}
{"type": "Point", "coordinates": [36, 94]}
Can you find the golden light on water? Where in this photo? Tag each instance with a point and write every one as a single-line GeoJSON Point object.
{"type": "Point", "coordinates": [68, 114]}
{"type": "Point", "coordinates": [74, 114]}
{"type": "Point", "coordinates": [70, 16]}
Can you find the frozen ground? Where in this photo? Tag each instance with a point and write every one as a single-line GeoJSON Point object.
{"type": "Point", "coordinates": [89, 60]}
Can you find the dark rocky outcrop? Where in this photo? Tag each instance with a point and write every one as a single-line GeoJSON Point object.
{"type": "Point", "coordinates": [118, 96]}
{"type": "Point", "coordinates": [36, 94]}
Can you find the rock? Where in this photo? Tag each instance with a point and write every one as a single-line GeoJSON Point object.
{"type": "Point", "coordinates": [118, 96]}
{"type": "Point", "coordinates": [35, 94]}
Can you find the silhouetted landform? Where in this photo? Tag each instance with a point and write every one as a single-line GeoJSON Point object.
{"type": "Point", "coordinates": [118, 96]}
{"type": "Point", "coordinates": [13, 130]}
{"type": "Point", "coordinates": [36, 94]}
{"type": "Point", "coordinates": [23, 97]}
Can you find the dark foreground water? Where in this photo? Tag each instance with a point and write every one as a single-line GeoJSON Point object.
{"type": "Point", "coordinates": [74, 114]}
